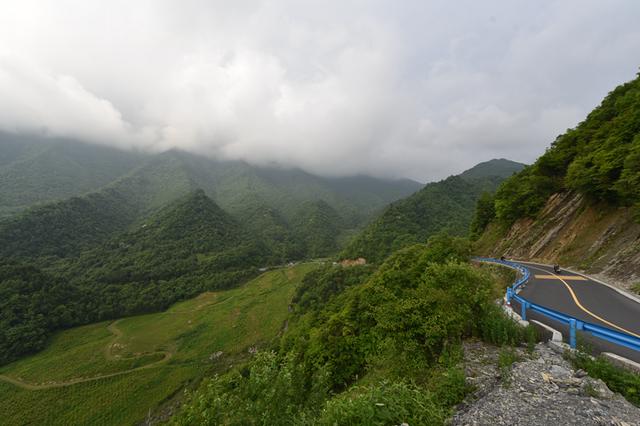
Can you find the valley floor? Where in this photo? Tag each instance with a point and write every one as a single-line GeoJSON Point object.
{"type": "Point", "coordinates": [90, 374]}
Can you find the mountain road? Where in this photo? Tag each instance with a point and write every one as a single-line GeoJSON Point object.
{"type": "Point", "coordinates": [583, 298]}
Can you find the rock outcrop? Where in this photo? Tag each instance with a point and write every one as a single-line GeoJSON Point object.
{"type": "Point", "coordinates": [574, 232]}
{"type": "Point", "coordinates": [541, 389]}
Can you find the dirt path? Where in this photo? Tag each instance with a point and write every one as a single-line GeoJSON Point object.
{"type": "Point", "coordinates": [30, 386]}
{"type": "Point", "coordinates": [109, 356]}
{"type": "Point", "coordinates": [117, 333]}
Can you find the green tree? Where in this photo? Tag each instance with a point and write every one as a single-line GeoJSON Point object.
{"type": "Point", "coordinates": [484, 214]}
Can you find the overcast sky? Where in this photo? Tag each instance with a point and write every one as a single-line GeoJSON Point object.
{"type": "Point", "coordinates": [421, 89]}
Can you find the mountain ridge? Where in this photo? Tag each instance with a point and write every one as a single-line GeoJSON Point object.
{"type": "Point", "coordinates": [446, 205]}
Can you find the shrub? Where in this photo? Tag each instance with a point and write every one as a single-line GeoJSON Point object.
{"type": "Point", "coordinates": [616, 378]}
{"type": "Point", "coordinates": [271, 390]}
{"type": "Point", "coordinates": [386, 404]}
{"type": "Point", "coordinates": [495, 327]}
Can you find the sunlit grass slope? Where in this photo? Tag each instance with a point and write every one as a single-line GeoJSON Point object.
{"type": "Point", "coordinates": [92, 374]}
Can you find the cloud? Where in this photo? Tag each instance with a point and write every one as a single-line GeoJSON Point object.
{"type": "Point", "coordinates": [421, 89]}
{"type": "Point", "coordinates": [33, 100]}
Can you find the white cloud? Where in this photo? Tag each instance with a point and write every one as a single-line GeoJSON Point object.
{"type": "Point", "coordinates": [35, 101]}
{"type": "Point", "coordinates": [420, 89]}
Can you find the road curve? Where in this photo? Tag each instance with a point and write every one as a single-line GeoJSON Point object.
{"type": "Point", "coordinates": [583, 298]}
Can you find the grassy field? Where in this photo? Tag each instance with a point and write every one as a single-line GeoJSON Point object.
{"type": "Point", "coordinates": [116, 372]}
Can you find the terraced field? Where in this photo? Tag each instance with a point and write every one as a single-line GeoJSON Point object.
{"type": "Point", "coordinates": [90, 374]}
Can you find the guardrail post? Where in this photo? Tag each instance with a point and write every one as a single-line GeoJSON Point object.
{"type": "Point", "coordinates": [523, 310]}
{"type": "Point", "coordinates": [572, 333]}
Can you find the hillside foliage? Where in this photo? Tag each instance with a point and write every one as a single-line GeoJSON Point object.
{"type": "Point", "coordinates": [445, 205]}
{"type": "Point", "coordinates": [366, 346]}
{"type": "Point", "coordinates": [33, 171]}
{"type": "Point", "coordinates": [599, 158]}
{"type": "Point", "coordinates": [186, 248]}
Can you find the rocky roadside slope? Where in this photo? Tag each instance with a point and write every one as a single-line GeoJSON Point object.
{"type": "Point", "coordinates": [595, 238]}
{"type": "Point", "coordinates": [540, 389]}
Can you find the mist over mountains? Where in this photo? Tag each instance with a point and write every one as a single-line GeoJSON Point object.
{"type": "Point", "coordinates": [422, 91]}
{"type": "Point", "coordinates": [122, 232]}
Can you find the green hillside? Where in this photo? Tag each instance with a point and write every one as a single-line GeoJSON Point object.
{"type": "Point", "coordinates": [367, 345]}
{"type": "Point", "coordinates": [316, 227]}
{"type": "Point", "coordinates": [497, 167]}
{"type": "Point", "coordinates": [600, 158]}
{"type": "Point", "coordinates": [232, 183]}
{"type": "Point", "coordinates": [116, 372]}
{"type": "Point", "coordinates": [36, 170]}
{"type": "Point", "coordinates": [66, 228]}
{"type": "Point", "coordinates": [445, 205]}
{"type": "Point", "coordinates": [188, 247]}
{"type": "Point", "coordinates": [33, 170]}
{"type": "Point", "coordinates": [269, 201]}
{"type": "Point", "coordinates": [189, 237]}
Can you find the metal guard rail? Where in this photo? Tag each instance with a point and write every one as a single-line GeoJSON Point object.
{"type": "Point", "coordinates": [604, 333]}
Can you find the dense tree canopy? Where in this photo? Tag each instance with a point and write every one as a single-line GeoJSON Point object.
{"type": "Point", "coordinates": [445, 205]}
{"type": "Point", "coordinates": [600, 158]}
{"type": "Point", "coordinates": [188, 247]}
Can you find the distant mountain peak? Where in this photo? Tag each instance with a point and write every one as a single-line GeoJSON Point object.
{"type": "Point", "coordinates": [500, 167]}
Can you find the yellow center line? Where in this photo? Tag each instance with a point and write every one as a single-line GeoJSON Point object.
{"type": "Point", "coordinates": [577, 302]}
{"type": "Point", "coordinates": [563, 277]}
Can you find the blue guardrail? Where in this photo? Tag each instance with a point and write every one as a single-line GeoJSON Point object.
{"type": "Point", "coordinates": [604, 333]}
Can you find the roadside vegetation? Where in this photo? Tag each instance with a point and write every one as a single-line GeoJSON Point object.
{"type": "Point", "coordinates": [367, 346]}
{"type": "Point", "coordinates": [616, 378]}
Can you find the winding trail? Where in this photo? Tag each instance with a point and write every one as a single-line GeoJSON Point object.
{"type": "Point", "coordinates": [117, 333]}
{"type": "Point", "coordinates": [109, 356]}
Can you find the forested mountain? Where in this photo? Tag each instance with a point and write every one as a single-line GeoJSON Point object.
{"type": "Point", "coordinates": [600, 158]}
{"type": "Point", "coordinates": [189, 237]}
{"type": "Point", "coordinates": [439, 206]}
{"type": "Point", "coordinates": [65, 228]}
{"type": "Point", "coordinates": [579, 203]}
{"type": "Point", "coordinates": [498, 167]}
{"type": "Point", "coordinates": [316, 226]}
{"type": "Point", "coordinates": [187, 247]}
{"type": "Point", "coordinates": [102, 191]}
{"type": "Point", "coordinates": [116, 233]}
{"type": "Point", "coordinates": [33, 170]}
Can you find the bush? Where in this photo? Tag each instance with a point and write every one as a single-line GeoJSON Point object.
{"type": "Point", "coordinates": [389, 403]}
{"type": "Point", "coordinates": [616, 378]}
{"type": "Point", "coordinates": [497, 328]}
{"type": "Point", "coordinates": [271, 390]}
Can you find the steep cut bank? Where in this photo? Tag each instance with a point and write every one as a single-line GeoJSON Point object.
{"type": "Point", "coordinates": [579, 204]}
{"type": "Point", "coordinates": [572, 231]}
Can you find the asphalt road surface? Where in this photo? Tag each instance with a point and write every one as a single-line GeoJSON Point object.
{"type": "Point", "coordinates": [585, 299]}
